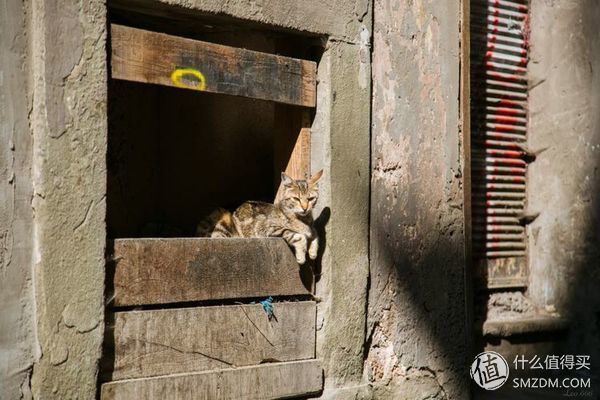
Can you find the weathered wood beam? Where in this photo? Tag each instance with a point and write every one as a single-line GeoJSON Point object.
{"type": "Point", "coordinates": [267, 381]}
{"type": "Point", "coordinates": [171, 341]}
{"type": "Point", "coordinates": [292, 145]}
{"type": "Point", "coordinates": [161, 271]}
{"type": "Point", "coordinates": [150, 57]}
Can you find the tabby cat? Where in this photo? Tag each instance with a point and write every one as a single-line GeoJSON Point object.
{"type": "Point", "coordinates": [289, 218]}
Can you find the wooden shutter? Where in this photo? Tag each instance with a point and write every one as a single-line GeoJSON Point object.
{"type": "Point", "coordinates": [499, 92]}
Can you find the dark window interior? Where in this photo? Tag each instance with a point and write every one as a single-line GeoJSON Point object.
{"type": "Point", "coordinates": [174, 155]}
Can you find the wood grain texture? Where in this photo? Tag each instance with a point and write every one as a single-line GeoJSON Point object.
{"type": "Point", "coordinates": [298, 166]}
{"type": "Point", "coordinates": [267, 381]}
{"type": "Point", "coordinates": [170, 341]}
{"type": "Point", "coordinates": [292, 145]}
{"type": "Point", "coordinates": [150, 57]}
{"type": "Point", "coordinates": [161, 271]}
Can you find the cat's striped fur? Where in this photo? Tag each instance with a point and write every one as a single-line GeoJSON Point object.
{"type": "Point", "coordinates": [290, 218]}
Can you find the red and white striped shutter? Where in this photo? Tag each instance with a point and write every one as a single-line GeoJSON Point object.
{"type": "Point", "coordinates": [499, 92]}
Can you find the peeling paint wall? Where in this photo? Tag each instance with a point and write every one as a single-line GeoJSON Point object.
{"type": "Point", "coordinates": [564, 241]}
{"type": "Point", "coordinates": [18, 346]}
{"type": "Point", "coordinates": [337, 19]}
{"type": "Point", "coordinates": [417, 337]}
{"type": "Point", "coordinates": [68, 120]}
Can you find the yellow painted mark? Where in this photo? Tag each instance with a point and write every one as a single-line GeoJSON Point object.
{"type": "Point", "coordinates": [180, 73]}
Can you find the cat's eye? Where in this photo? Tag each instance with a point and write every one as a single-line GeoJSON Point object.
{"type": "Point", "coordinates": [311, 198]}
{"type": "Point", "coordinates": [296, 198]}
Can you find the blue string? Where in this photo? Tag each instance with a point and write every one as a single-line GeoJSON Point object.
{"type": "Point", "coordinates": [267, 305]}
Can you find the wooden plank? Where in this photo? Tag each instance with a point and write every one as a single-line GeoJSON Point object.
{"type": "Point", "coordinates": [292, 145]}
{"type": "Point", "coordinates": [503, 273]}
{"type": "Point", "coordinates": [298, 166]}
{"type": "Point", "coordinates": [150, 57]}
{"type": "Point", "coordinates": [159, 271]}
{"type": "Point", "coordinates": [163, 342]}
{"type": "Point", "coordinates": [267, 381]}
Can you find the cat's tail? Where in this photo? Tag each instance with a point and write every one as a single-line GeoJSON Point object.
{"type": "Point", "coordinates": [218, 224]}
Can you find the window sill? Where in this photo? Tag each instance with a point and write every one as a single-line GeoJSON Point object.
{"type": "Point", "coordinates": [512, 327]}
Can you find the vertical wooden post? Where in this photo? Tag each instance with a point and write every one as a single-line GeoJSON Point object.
{"type": "Point", "coordinates": [292, 145]}
{"type": "Point", "coordinates": [298, 166]}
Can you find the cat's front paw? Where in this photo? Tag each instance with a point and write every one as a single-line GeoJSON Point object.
{"type": "Point", "coordinates": [300, 258]}
{"type": "Point", "coordinates": [313, 250]}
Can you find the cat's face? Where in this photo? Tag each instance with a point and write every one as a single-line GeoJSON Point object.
{"type": "Point", "coordinates": [300, 196]}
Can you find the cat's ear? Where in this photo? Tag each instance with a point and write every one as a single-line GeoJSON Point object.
{"type": "Point", "coordinates": [315, 178]}
{"type": "Point", "coordinates": [286, 180]}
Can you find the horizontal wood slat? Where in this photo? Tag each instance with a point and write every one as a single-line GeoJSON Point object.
{"type": "Point", "coordinates": [162, 342]}
{"type": "Point", "coordinates": [150, 57]}
{"type": "Point", "coordinates": [267, 381]}
{"type": "Point", "coordinates": [161, 271]}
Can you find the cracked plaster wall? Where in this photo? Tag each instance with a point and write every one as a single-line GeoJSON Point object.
{"type": "Point", "coordinates": [416, 327]}
{"type": "Point", "coordinates": [564, 181]}
{"type": "Point", "coordinates": [18, 346]}
{"type": "Point", "coordinates": [68, 121]}
{"type": "Point", "coordinates": [53, 104]}
{"type": "Point", "coordinates": [339, 20]}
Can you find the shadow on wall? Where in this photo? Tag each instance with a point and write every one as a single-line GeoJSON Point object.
{"type": "Point", "coordinates": [583, 303]}
{"type": "Point", "coordinates": [417, 338]}
{"type": "Point", "coordinates": [566, 187]}
{"type": "Point", "coordinates": [417, 335]}
{"type": "Point", "coordinates": [581, 308]}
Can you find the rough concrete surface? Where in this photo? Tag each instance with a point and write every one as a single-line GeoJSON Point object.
{"type": "Point", "coordinates": [343, 285]}
{"type": "Point", "coordinates": [69, 174]}
{"type": "Point", "coordinates": [506, 305]}
{"type": "Point", "coordinates": [417, 339]}
{"type": "Point", "coordinates": [340, 20]}
{"type": "Point", "coordinates": [564, 181]}
{"type": "Point", "coordinates": [18, 347]}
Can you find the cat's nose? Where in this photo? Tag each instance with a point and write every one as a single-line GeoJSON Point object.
{"type": "Point", "coordinates": [304, 206]}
